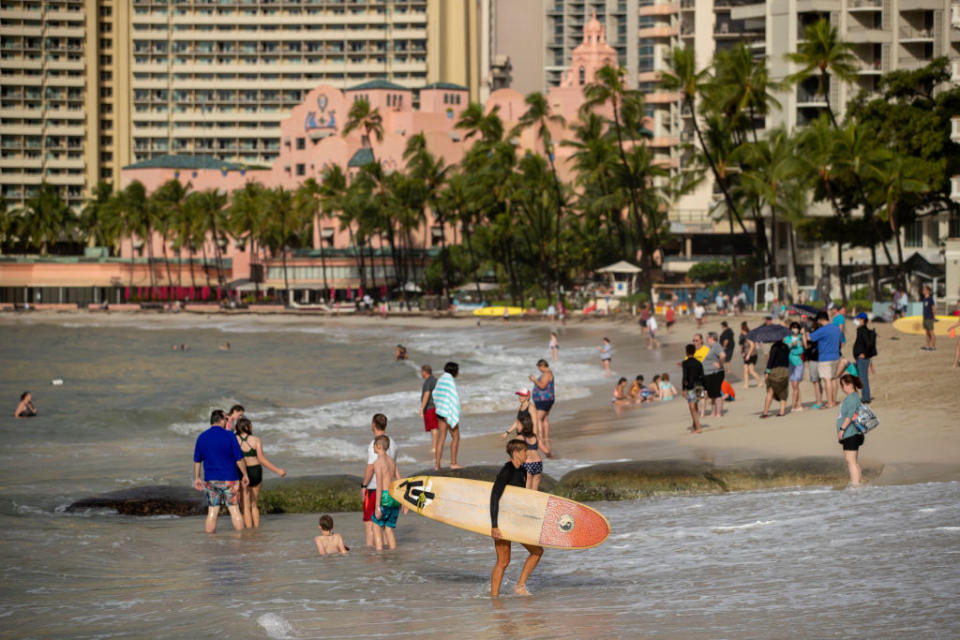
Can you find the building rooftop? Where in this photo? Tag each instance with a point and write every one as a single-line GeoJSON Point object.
{"type": "Point", "coordinates": [447, 86]}
{"type": "Point", "coordinates": [186, 162]}
{"type": "Point", "coordinates": [377, 84]}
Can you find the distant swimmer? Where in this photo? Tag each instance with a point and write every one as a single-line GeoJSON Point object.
{"type": "Point", "coordinates": [174, 347]}
{"type": "Point", "coordinates": [25, 409]}
{"type": "Point", "coordinates": [400, 353]}
{"type": "Point", "coordinates": [328, 542]}
{"type": "Point", "coordinates": [225, 346]}
{"type": "Point", "coordinates": [554, 346]}
{"type": "Point", "coordinates": [512, 474]}
{"type": "Point", "coordinates": [184, 347]}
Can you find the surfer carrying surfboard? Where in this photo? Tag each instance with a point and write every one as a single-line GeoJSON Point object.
{"type": "Point", "coordinates": [514, 474]}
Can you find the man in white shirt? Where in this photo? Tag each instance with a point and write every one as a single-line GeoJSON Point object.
{"type": "Point", "coordinates": [368, 488]}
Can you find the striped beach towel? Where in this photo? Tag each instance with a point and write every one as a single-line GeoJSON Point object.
{"type": "Point", "coordinates": [447, 400]}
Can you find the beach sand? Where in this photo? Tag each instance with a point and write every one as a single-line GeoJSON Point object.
{"type": "Point", "coordinates": [913, 396]}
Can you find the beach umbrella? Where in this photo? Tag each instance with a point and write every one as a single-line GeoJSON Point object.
{"type": "Point", "coordinates": [803, 310]}
{"type": "Point", "coordinates": [768, 333]}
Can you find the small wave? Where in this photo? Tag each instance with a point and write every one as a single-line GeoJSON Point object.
{"type": "Point", "coordinates": [275, 625]}
{"type": "Point", "coordinates": [740, 527]}
{"type": "Point", "coordinates": [948, 529]}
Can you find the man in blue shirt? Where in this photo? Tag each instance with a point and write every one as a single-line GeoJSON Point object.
{"type": "Point", "coordinates": [219, 452]}
{"type": "Point", "coordinates": [828, 338]}
{"type": "Point", "coordinates": [929, 318]}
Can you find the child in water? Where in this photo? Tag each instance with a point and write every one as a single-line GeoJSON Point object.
{"type": "Point", "coordinates": [533, 464]}
{"type": "Point", "coordinates": [328, 542]}
{"type": "Point", "coordinates": [386, 509]}
{"type": "Point", "coordinates": [514, 475]}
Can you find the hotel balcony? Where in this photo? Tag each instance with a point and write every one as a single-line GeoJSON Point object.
{"type": "Point", "coordinates": [910, 33]}
{"type": "Point", "coordinates": [664, 9]}
{"type": "Point", "coordinates": [662, 97]}
{"type": "Point", "coordinates": [658, 32]}
{"type": "Point", "coordinates": [864, 5]}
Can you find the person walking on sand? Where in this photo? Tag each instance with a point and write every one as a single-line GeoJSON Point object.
{"type": "Point", "coordinates": [698, 311]}
{"type": "Point", "coordinates": [864, 351]}
{"type": "Point", "coordinates": [368, 488]}
{"type": "Point", "coordinates": [713, 375]}
{"type": "Point", "coordinates": [726, 341]}
{"type": "Point", "coordinates": [543, 397]}
{"type": "Point", "coordinates": [692, 384]}
{"type": "Point", "coordinates": [777, 378]}
{"type": "Point", "coordinates": [25, 409]}
{"type": "Point", "coordinates": [827, 338]}
{"type": "Point", "coordinates": [606, 356]}
{"type": "Point", "coordinates": [652, 342]}
{"type": "Point", "coordinates": [218, 452]}
{"type": "Point", "coordinates": [446, 397]}
{"type": "Point", "coordinates": [850, 438]}
{"type": "Point", "coordinates": [748, 349]}
{"type": "Point", "coordinates": [929, 318]}
{"type": "Point", "coordinates": [256, 459]}
{"type": "Point", "coordinates": [554, 346]}
{"type": "Point", "coordinates": [670, 315]}
{"type": "Point", "coordinates": [796, 342]}
{"type": "Point", "coordinates": [428, 410]}
{"type": "Point", "coordinates": [511, 474]}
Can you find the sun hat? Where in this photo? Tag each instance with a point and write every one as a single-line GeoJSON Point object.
{"type": "Point", "coordinates": [523, 393]}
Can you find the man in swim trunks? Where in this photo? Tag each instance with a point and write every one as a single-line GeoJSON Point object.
{"type": "Point", "coordinates": [219, 452]}
{"type": "Point", "coordinates": [428, 411]}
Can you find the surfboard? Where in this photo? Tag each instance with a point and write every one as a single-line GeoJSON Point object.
{"type": "Point", "coordinates": [914, 325]}
{"type": "Point", "coordinates": [528, 517]}
{"type": "Point", "coordinates": [498, 311]}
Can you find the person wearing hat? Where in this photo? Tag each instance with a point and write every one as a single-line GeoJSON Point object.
{"type": "Point", "coordinates": [864, 350]}
{"type": "Point", "coordinates": [525, 409]}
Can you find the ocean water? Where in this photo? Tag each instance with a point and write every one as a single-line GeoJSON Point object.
{"type": "Point", "coordinates": [812, 563]}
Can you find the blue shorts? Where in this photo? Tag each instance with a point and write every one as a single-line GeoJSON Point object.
{"type": "Point", "coordinates": [543, 405]}
{"type": "Point", "coordinates": [388, 517]}
{"type": "Point", "coordinates": [796, 373]}
{"type": "Point", "coordinates": [533, 468]}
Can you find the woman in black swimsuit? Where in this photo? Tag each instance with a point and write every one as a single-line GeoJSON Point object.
{"type": "Point", "coordinates": [525, 409]}
{"type": "Point", "coordinates": [25, 409]}
{"type": "Point", "coordinates": [252, 448]}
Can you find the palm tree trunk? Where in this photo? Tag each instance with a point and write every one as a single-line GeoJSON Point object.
{"type": "Point", "coordinates": [646, 261]}
{"type": "Point", "coordinates": [166, 261]}
{"type": "Point", "coordinates": [283, 248]}
{"type": "Point", "coordinates": [149, 243]}
{"type": "Point", "coordinates": [206, 272]}
{"type": "Point", "coordinates": [843, 285]}
{"type": "Point", "coordinates": [792, 264]}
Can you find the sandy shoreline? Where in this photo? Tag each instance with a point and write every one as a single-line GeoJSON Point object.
{"type": "Point", "coordinates": [917, 439]}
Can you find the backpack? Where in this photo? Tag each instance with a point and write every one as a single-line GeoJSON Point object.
{"type": "Point", "coordinates": [865, 419]}
{"type": "Point", "coordinates": [871, 343]}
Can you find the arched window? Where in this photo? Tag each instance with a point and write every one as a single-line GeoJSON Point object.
{"type": "Point", "coordinates": [583, 75]}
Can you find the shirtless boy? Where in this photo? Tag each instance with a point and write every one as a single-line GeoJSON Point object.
{"type": "Point", "coordinates": [513, 474]}
{"type": "Point", "coordinates": [386, 509]}
{"type": "Point", "coordinates": [328, 542]}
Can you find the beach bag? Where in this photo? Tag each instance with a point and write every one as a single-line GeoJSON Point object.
{"type": "Point", "coordinates": [871, 343]}
{"type": "Point", "coordinates": [865, 419]}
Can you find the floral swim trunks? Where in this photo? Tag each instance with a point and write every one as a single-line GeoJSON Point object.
{"type": "Point", "coordinates": [222, 492]}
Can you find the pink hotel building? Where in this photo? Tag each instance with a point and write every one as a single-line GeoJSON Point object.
{"type": "Point", "coordinates": [312, 139]}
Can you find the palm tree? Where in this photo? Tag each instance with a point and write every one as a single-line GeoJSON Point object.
{"type": "Point", "coordinates": [47, 218]}
{"type": "Point", "coordinates": [538, 115]}
{"type": "Point", "coordinates": [684, 78]}
{"type": "Point", "coordinates": [134, 209]}
{"type": "Point", "coordinates": [429, 174]}
{"type": "Point", "coordinates": [211, 205]}
{"type": "Point", "coordinates": [247, 218]}
{"type": "Point", "coordinates": [823, 53]}
{"type": "Point", "coordinates": [740, 90]}
{"type": "Point", "coordinates": [361, 116]}
{"type": "Point", "coordinates": [309, 202]}
{"type": "Point", "coordinates": [609, 89]}
{"type": "Point", "coordinates": [333, 193]}
{"type": "Point", "coordinates": [99, 219]}
{"type": "Point", "coordinates": [169, 202]}
{"type": "Point", "coordinates": [897, 176]}
{"type": "Point", "coordinates": [286, 227]}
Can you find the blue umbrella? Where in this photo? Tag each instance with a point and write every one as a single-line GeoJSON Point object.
{"type": "Point", "coordinates": [768, 333]}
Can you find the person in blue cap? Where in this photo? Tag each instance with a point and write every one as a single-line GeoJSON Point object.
{"type": "Point", "coordinates": [864, 350]}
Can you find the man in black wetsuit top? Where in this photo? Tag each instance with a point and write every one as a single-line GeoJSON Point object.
{"type": "Point", "coordinates": [515, 475]}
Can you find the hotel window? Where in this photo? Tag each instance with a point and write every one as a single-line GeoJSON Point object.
{"type": "Point", "coordinates": [301, 169]}
{"type": "Point", "coordinates": [301, 145]}
{"type": "Point", "coordinates": [913, 234]}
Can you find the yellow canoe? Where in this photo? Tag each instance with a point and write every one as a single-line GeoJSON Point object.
{"type": "Point", "coordinates": [914, 325]}
{"type": "Point", "coordinates": [498, 311]}
{"type": "Point", "coordinates": [526, 516]}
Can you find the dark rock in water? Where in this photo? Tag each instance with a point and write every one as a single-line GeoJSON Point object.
{"type": "Point", "coordinates": [487, 472]}
{"type": "Point", "coordinates": [311, 494]}
{"type": "Point", "coordinates": [148, 501]}
{"type": "Point", "coordinates": [638, 478]}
